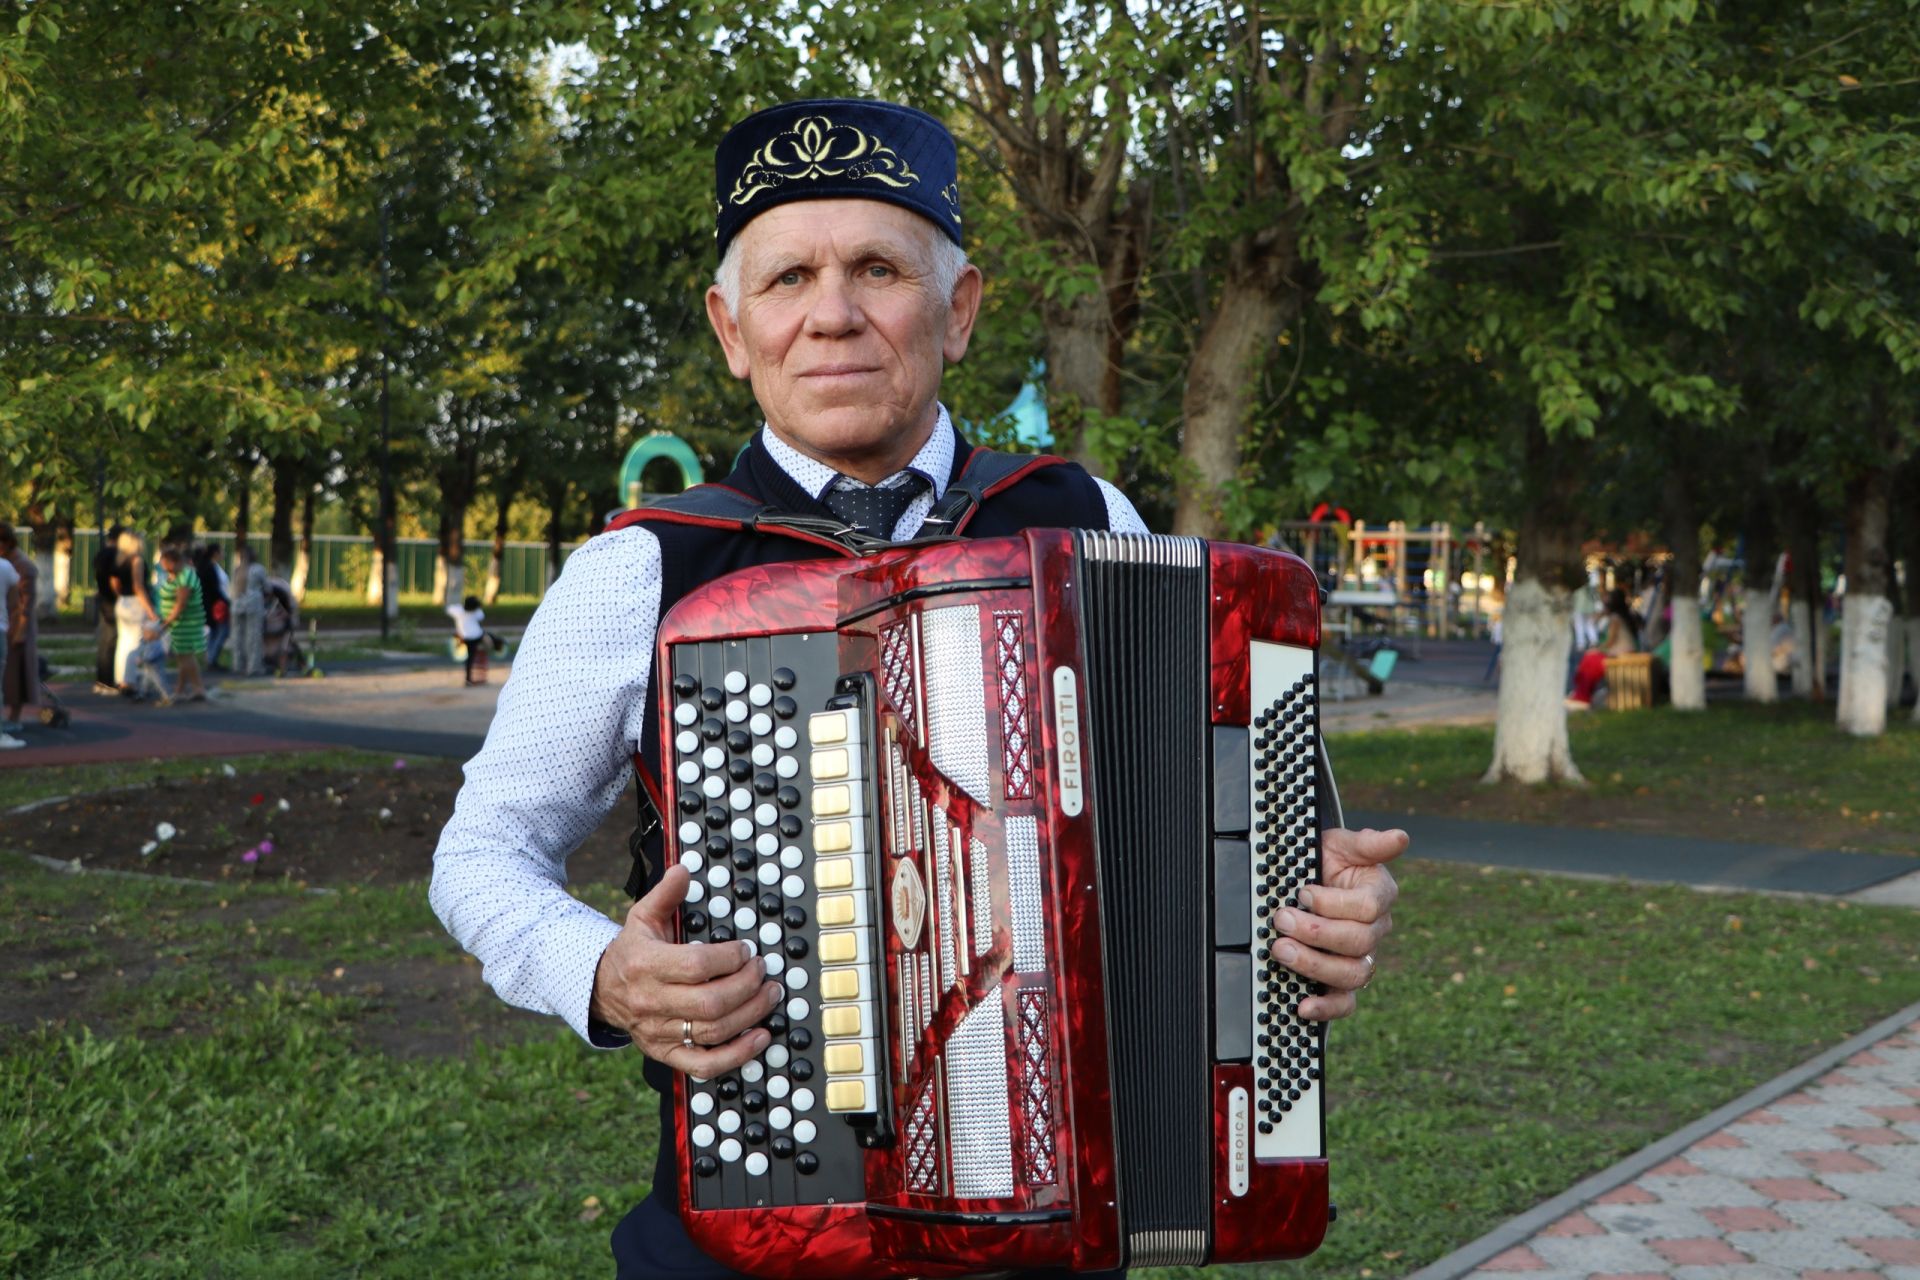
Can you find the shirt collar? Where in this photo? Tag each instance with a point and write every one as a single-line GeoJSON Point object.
{"type": "Point", "coordinates": [934, 461]}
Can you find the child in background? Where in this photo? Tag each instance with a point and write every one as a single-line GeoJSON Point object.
{"type": "Point", "coordinates": [146, 672]}
{"type": "Point", "coordinates": [469, 628]}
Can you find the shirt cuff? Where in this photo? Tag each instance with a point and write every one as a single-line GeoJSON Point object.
{"type": "Point", "coordinates": [571, 948]}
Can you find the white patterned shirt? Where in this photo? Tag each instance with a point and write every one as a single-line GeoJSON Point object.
{"type": "Point", "coordinates": [559, 752]}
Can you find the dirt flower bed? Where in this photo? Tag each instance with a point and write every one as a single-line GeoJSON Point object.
{"type": "Point", "coordinates": [331, 826]}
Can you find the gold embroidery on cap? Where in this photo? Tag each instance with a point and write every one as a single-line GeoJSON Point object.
{"type": "Point", "coordinates": [816, 147]}
{"type": "Point", "coordinates": [952, 193]}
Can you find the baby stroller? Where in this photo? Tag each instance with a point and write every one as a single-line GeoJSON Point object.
{"type": "Point", "coordinates": [53, 713]}
{"type": "Point", "coordinates": [281, 647]}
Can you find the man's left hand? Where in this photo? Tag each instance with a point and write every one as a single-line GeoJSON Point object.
{"type": "Point", "coordinates": [1331, 936]}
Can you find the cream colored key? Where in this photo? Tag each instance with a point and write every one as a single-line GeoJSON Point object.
{"type": "Point", "coordinates": [839, 1023]}
{"type": "Point", "coordinates": [832, 873]}
{"type": "Point", "coordinates": [826, 727]}
{"type": "Point", "coordinates": [839, 948]}
{"type": "Point", "coordinates": [834, 837]}
{"type": "Point", "coordinates": [835, 909]}
{"type": "Point", "coordinates": [846, 1095]}
{"type": "Point", "coordinates": [832, 802]}
{"type": "Point", "coordinates": [845, 1059]}
{"type": "Point", "coordinates": [840, 984]}
{"type": "Point", "coordinates": [831, 765]}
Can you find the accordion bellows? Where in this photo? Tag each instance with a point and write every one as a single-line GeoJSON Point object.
{"type": "Point", "coordinates": [1008, 818]}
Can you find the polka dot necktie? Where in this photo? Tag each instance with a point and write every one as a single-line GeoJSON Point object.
{"type": "Point", "coordinates": [874, 510]}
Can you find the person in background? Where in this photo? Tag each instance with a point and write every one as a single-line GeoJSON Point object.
{"type": "Point", "coordinates": [184, 615]}
{"type": "Point", "coordinates": [133, 609]}
{"type": "Point", "coordinates": [147, 667]}
{"type": "Point", "coordinates": [250, 618]}
{"type": "Point", "coordinates": [109, 584]}
{"type": "Point", "coordinates": [1622, 638]}
{"type": "Point", "coordinates": [20, 677]}
{"type": "Point", "coordinates": [215, 590]}
{"type": "Point", "coordinates": [9, 590]}
{"type": "Point", "coordinates": [469, 627]}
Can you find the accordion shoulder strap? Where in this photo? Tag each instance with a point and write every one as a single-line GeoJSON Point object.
{"type": "Point", "coordinates": [987, 472]}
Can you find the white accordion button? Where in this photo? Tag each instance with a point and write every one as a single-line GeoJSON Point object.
{"type": "Point", "coordinates": [791, 857]}
{"type": "Point", "coordinates": [760, 725]}
{"type": "Point", "coordinates": [688, 742]}
{"type": "Point", "coordinates": [762, 755]}
{"type": "Point", "coordinates": [712, 787]}
{"type": "Point", "coordinates": [767, 874]}
{"type": "Point", "coordinates": [785, 736]}
{"type": "Point", "coordinates": [798, 1008]}
{"type": "Point", "coordinates": [769, 933]}
{"type": "Point", "coordinates": [787, 767]}
{"type": "Point", "coordinates": [793, 886]}
{"type": "Point", "coordinates": [703, 1135]}
{"type": "Point", "coordinates": [742, 828]}
{"type": "Point", "coordinates": [777, 1057]}
{"type": "Point", "coordinates": [693, 862]}
{"type": "Point", "coordinates": [688, 773]}
{"type": "Point", "coordinates": [696, 892]}
{"type": "Point", "coordinates": [760, 695]}
{"type": "Point", "coordinates": [779, 1117]}
{"type": "Point", "coordinates": [740, 799]}
{"type": "Point", "coordinates": [717, 877]}
{"type": "Point", "coordinates": [803, 1101]}
{"type": "Point", "coordinates": [689, 833]}
{"type": "Point", "coordinates": [766, 815]}
{"type": "Point", "coordinates": [775, 963]}
{"type": "Point", "coordinates": [713, 757]}
{"type": "Point", "coordinates": [701, 1104]}
{"type": "Point", "coordinates": [735, 681]}
{"type": "Point", "coordinates": [796, 979]}
{"type": "Point", "coordinates": [777, 1087]}
{"type": "Point", "coordinates": [766, 843]}
{"type": "Point", "coordinates": [751, 1071]}
{"type": "Point", "coordinates": [729, 1122]}
{"type": "Point", "coordinates": [744, 921]}
{"type": "Point", "coordinates": [736, 711]}
{"type": "Point", "coordinates": [685, 714]}
{"type": "Point", "coordinates": [730, 1149]}
{"type": "Point", "coordinates": [804, 1131]}
{"type": "Point", "coordinates": [756, 1163]}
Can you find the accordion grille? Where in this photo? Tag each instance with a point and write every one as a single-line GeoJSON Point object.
{"type": "Point", "coordinates": [1144, 604]}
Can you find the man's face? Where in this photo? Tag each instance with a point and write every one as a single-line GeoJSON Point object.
{"type": "Point", "coordinates": [841, 330]}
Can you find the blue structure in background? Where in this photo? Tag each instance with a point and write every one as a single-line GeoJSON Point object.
{"type": "Point", "coordinates": [1029, 412]}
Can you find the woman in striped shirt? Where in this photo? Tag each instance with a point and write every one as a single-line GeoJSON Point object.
{"type": "Point", "coordinates": [185, 616]}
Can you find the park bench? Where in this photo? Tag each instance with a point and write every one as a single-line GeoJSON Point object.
{"type": "Point", "coordinates": [1630, 682]}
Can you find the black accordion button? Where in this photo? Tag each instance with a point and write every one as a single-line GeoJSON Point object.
{"type": "Point", "coordinates": [718, 844]}
{"type": "Point", "coordinates": [728, 1088]}
{"type": "Point", "coordinates": [690, 802]}
{"type": "Point", "coordinates": [800, 1038]}
{"type": "Point", "coordinates": [777, 1023]}
{"type": "Point", "coordinates": [713, 729]}
{"type": "Point", "coordinates": [764, 784]}
{"type": "Point", "coordinates": [716, 817]}
{"type": "Point", "coordinates": [785, 707]}
{"type": "Point", "coordinates": [685, 686]}
{"type": "Point", "coordinates": [801, 1068]}
{"type": "Point", "coordinates": [754, 1100]}
{"type": "Point", "coordinates": [705, 1166]}
{"type": "Point", "coordinates": [769, 903]}
{"type": "Point", "coordinates": [721, 933]}
{"type": "Point", "coordinates": [795, 947]}
{"type": "Point", "coordinates": [807, 1162]}
{"type": "Point", "coordinates": [743, 859]}
{"type": "Point", "coordinates": [755, 1134]}
{"type": "Point", "coordinates": [739, 742]}
{"type": "Point", "coordinates": [783, 678]}
{"type": "Point", "coordinates": [712, 699]}
{"type": "Point", "coordinates": [789, 797]}
{"type": "Point", "coordinates": [791, 826]}
{"type": "Point", "coordinates": [697, 922]}
{"type": "Point", "coordinates": [783, 1147]}
{"type": "Point", "coordinates": [794, 917]}
{"type": "Point", "coordinates": [743, 887]}
{"type": "Point", "coordinates": [739, 769]}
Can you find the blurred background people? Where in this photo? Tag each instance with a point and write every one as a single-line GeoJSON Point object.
{"type": "Point", "coordinates": [20, 677]}
{"type": "Point", "coordinates": [249, 618]}
{"type": "Point", "coordinates": [184, 614]}
{"type": "Point", "coordinates": [216, 593]}
{"type": "Point", "coordinates": [132, 609]}
{"type": "Point", "coordinates": [109, 584]}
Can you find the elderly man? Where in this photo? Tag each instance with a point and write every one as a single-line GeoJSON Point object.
{"type": "Point", "coordinates": [842, 293]}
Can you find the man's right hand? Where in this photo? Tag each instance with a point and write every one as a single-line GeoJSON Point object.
{"type": "Point", "coordinates": [663, 993]}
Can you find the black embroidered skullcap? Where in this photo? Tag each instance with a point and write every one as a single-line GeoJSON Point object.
{"type": "Point", "coordinates": [836, 148]}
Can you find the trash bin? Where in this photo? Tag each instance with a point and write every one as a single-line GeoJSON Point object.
{"type": "Point", "coordinates": [1630, 682]}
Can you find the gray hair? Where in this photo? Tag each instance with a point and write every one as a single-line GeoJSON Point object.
{"type": "Point", "coordinates": [949, 260]}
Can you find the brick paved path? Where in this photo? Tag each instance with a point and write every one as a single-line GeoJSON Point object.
{"type": "Point", "coordinates": [1821, 1184]}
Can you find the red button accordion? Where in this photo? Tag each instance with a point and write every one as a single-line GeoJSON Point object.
{"type": "Point", "coordinates": [1009, 819]}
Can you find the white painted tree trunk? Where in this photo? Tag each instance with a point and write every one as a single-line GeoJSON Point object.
{"type": "Point", "coordinates": [1862, 704]}
{"type": "Point", "coordinates": [376, 575]}
{"type": "Point", "coordinates": [47, 597]}
{"type": "Point", "coordinates": [1686, 672]}
{"type": "Point", "coordinates": [1530, 735]}
{"type": "Point", "coordinates": [439, 578]}
{"type": "Point", "coordinates": [390, 594]}
{"type": "Point", "coordinates": [1756, 646]}
{"type": "Point", "coordinates": [454, 589]}
{"type": "Point", "coordinates": [492, 592]}
{"type": "Point", "coordinates": [302, 567]}
{"type": "Point", "coordinates": [1800, 613]}
{"type": "Point", "coordinates": [62, 576]}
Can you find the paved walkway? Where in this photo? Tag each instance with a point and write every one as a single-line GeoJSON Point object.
{"type": "Point", "coordinates": [1813, 1176]}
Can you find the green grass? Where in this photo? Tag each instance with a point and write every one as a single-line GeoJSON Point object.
{"type": "Point", "coordinates": [1762, 765]}
{"type": "Point", "coordinates": [20, 786]}
{"type": "Point", "coordinates": [240, 1118]}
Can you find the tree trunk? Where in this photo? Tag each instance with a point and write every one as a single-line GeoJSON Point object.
{"type": "Point", "coordinates": [1866, 615]}
{"type": "Point", "coordinates": [286, 482]}
{"type": "Point", "coordinates": [496, 564]}
{"type": "Point", "coordinates": [243, 505]}
{"type": "Point", "coordinates": [1803, 590]}
{"type": "Point", "coordinates": [1757, 604]}
{"type": "Point", "coordinates": [1686, 668]}
{"type": "Point", "coordinates": [453, 560]}
{"type": "Point", "coordinates": [376, 576]}
{"type": "Point", "coordinates": [1530, 735]}
{"type": "Point", "coordinates": [556, 532]}
{"type": "Point", "coordinates": [303, 557]}
{"type": "Point", "coordinates": [1906, 516]}
{"type": "Point", "coordinates": [39, 549]}
{"type": "Point", "coordinates": [1223, 382]}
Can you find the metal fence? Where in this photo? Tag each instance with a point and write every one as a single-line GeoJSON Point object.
{"type": "Point", "coordinates": [341, 562]}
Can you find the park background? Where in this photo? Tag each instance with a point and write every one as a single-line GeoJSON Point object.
{"type": "Point", "coordinates": [1630, 287]}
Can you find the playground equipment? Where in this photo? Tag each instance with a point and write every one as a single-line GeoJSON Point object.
{"type": "Point", "coordinates": [1425, 570]}
{"type": "Point", "coordinates": [660, 444]}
